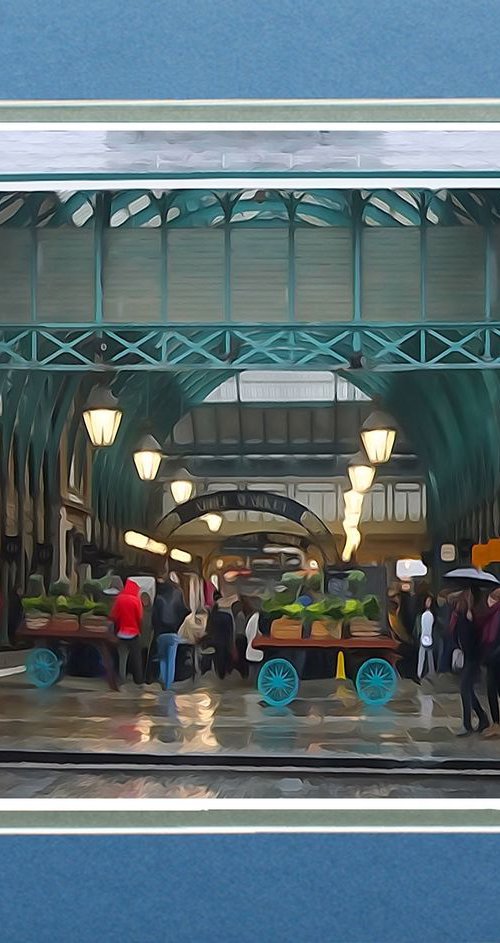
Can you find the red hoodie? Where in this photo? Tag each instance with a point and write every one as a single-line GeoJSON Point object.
{"type": "Point", "coordinates": [127, 611]}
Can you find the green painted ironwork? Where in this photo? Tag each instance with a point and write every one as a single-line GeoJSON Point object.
{"type": "Point", "coordinates": [201, 208]}
{"type": "Point", "coordinates": [438, 378]}
{"type": "Point", "coordinates": [385, 347]}
{"type": "Point", "coordinates": [314, 282]}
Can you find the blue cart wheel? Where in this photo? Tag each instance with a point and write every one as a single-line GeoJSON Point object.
{"type": "Point", "coordinates": [278, 682]}
{"type": "Point", "coordinates": [376, 681]}
{"type": "Point", "coordinates": [43, 667]}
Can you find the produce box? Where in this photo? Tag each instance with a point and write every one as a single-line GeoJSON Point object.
{"type": "Point", "coordinates": [285, 628]}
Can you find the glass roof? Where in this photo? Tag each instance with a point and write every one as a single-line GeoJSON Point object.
{"type": "Point", "coordinates": [285, 387]}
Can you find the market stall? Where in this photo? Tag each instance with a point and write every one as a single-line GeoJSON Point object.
{"type": "Point", "coordinates": [304, 618]}
{"type": "Point", "coordinates": [56, 624]}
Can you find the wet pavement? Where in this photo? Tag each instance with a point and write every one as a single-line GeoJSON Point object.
{"type": "Point", "coordinates": [227, 720]}
{"type": "Point", "coordinates": [183, 784]}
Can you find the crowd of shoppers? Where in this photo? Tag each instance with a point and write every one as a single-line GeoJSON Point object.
{"type": "Point", "coordinates": [458, 632]}
{"type": "Point", "coordinates": [149, 634]}
{"type": "Point", "coordinates": [455, 632]}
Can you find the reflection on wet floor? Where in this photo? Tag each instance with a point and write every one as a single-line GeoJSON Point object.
{"type": "Point", "coordinates": [221, 718]}
{"type": "Point", "coordinates": [214, 784]}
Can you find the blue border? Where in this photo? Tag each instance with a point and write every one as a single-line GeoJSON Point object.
{"type": "Point", "coordinates": [192, 49]}
{"type": "Point", "coordinates": [243, 888]}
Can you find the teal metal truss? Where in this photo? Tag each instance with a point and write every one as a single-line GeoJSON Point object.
{"type": "Point", "coordinates": [381, 348]}
{"type": "Point", "coordinates": [438, 378]}
{"type": "Point", "coordinates": [321, 286]}
{"type": "Point", "coordinates": [203, 207]}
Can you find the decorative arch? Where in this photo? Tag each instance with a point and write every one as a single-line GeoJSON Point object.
{"type": "Point", "coordinates": [264, 501]}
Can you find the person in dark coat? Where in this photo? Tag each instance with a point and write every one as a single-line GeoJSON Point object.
{"type": "Point", "coordinates": [464, 624]}
{"type": "Point", "coordinates": [169, 612]}
{"type": "Point", "coordinates": [489, 625]}
{"type": "Point", "coordinates": [169, 608]}
{"type": "Point", "coordinates": [220, 634]}
{"type": "Point", "coordinates": [444, 641]}
{"type": "Point", "coordinates": [15, 613]}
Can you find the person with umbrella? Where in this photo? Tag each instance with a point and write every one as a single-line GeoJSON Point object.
{"type": "Point", "coordinates": [469, 642]}
{"type": "Point", "coordinates": [489, 625]}
{"type": "Point", "coordinates": [465, 622]}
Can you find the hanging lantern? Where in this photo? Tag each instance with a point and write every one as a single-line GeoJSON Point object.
{"type": "Point", "coordinates": [213, 521]}
{"type": "Point", "coordinates": [353, 540]}
{"type": "Point", "coordinates": [147, 458]}
{"type": "Point", "coordinates": [182, 488]}
{"type": "Point", "coordinates": [378, 434]}
{"type": "Point", "coordinates": [182, 556]}
{"type": "Point", "coordinates": [133, 539]}
{"type": "Point", "coordinates": [143, 542]}
{"type": "Point", "coordinates": [361, 473]}
{"type": "Point", "coordinates": [102, 416]}
{"type": "Point", "coordinates": [350, 520]}
{"type": "Point", "coordinates": [155, 546]}
{"type": "Point", "coordinates": [353, 502]}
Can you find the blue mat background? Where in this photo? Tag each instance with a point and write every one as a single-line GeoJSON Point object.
{"type": "Point", "coordinates": [242, 889]}
{"type": "Point", "coordinates": [260, 49]}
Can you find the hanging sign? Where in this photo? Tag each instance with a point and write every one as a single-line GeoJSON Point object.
{"type": "Point", "coordinates": [448, 553]}
{"type": "Point", "coordinates": [264, 502]}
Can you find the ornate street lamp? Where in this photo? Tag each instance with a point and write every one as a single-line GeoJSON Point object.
{"type": "Point", "coordinates": [182, 488]}
{"type": "Point", "coordinates": [102, 416]}
{"type": "Point", "coordinates": [214, 522]}
{"type": "Point", "coordinates": [361, 473]}
{"type": "Point", "coordinates": [378, 434]}
{"type": "Point", "coordinates": [147, 458]}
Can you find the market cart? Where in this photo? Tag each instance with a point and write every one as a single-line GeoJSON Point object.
{"type": "Point", "coordinates": [376, 678]}
{"type": "Point", "coordinates": [46, 660]}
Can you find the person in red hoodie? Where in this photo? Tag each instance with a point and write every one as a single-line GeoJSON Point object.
{"type": "Point", "coordinates": [126, 615]}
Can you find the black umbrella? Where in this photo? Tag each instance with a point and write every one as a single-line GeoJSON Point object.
{"type": "Point", "coordinates": [471, 576]}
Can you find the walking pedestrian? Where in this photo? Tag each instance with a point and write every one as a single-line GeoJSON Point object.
{"type": "Point", "coordinates": [490, 656]}
{"type": "Point", "coordinates": [468, 638]}
{"type": "Point", "coordinates": [424, 629]}
{"type": "Point", "coordinates": [169, 612]}
{"type": "Point", "coordinates": [444, 642]}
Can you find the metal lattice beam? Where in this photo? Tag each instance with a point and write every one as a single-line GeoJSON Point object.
{"type": "Point", "coordinates": [385, 347]}
{"type": "Point", "coordinates": [207, 207]}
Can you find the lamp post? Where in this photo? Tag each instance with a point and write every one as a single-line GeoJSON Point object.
{"type": "Point", "coordinates": [102, 416]}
